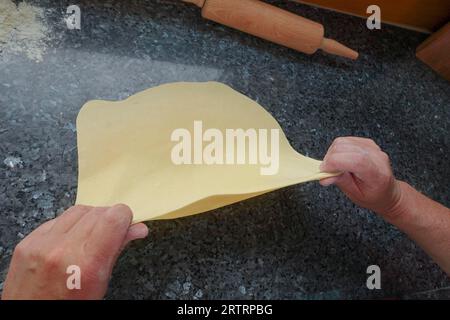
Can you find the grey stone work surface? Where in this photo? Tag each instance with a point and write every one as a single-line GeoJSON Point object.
{"type": "Point", "coordinates": [302, 242]}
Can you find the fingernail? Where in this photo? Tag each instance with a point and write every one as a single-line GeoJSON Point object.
{"type": "Point", "coordinates": [141, 232]}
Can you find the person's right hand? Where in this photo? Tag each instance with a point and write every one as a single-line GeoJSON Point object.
{"type": "Point", "coordinates": [366, 177]}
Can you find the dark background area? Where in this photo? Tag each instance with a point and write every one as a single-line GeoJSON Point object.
{"type": "Point", "coordinates": [302, 242]}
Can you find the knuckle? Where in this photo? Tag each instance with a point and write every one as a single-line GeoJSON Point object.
{"type": "Point", "coordinates": [52, 259]}
{"type": "Point", "coordinates": [25, 251]}
{"type": "Point", "coordinates": [340, 147]}
{"type": "Point", "coordinates": [123, 207]}
{"type": "Point", "coordinates": [117, 214]}
{"type": "Point", "coordinates": [385, 156]}
{"type": "Point", "coordinates": [339, 140]}
{"type": "Point", "coordinates": [336, 147]}
{"type": "Point", "coordinates": [21, 249]}
{"type": "Point", "coordinates": [373, 143]}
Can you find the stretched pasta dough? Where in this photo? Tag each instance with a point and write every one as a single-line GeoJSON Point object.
{"type": "Point", "coordinates": [124, 152]}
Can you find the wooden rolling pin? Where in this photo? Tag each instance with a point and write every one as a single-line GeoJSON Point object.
{"type": "Point", "coordinates": [273, 24]}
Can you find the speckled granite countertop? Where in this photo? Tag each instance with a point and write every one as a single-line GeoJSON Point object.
{"type": "Point", "coordinates": [300, 242]}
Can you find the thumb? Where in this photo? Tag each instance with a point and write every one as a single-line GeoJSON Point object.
{"type": "Point", "coordinates": [136, 231]}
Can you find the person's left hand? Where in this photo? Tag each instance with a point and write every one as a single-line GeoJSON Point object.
{"type": "Point", "coordinates": [88, 238]}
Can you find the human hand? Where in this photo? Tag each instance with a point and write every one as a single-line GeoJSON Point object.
{"type": "Point", "coordinates": [88, 237]}
{"type": "Point", "coordinates": [366, 177]}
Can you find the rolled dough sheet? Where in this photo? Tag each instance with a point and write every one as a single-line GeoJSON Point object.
{"type": "Point", "coordinates": [124, 152]}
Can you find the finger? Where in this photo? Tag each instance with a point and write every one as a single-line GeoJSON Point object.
{"type": "Point", "coordinates": [136, 231]}
{"type": "Point", "coordinates": [338, 143]}
{"type": "Point", "coordinates": [345, 147]}
{"type": "Point", "coordinates": [359, 164]}
{"type": "Point", "coordinates": [379, 158]}
{"type": "Point", "coordinates": [361, 142]}
{"type": "Point", "coordinates": [109, 233]}
{"type": "Point", "coordinates": [83, 228]}
{"type": "Point", "coordinates": [348, 184]}
{"type": "Point", "coordinates": [69, 218]}
{"type": "Point", "coordinates": [328, 181]}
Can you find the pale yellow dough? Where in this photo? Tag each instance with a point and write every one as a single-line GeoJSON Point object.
{"type": "Point", "coordinates": [124, 152]}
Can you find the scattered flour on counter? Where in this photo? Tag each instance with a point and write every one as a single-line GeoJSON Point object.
{"type": "Point", "coordinates": [22, 30]}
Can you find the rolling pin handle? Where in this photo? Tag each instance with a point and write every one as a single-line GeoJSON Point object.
{"type": "Point", "coordinates": [245, 15]}
{"type": "Point", "coordinates": [334, 47]}
{"type": "Point", "coordinates": [198, 3]}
